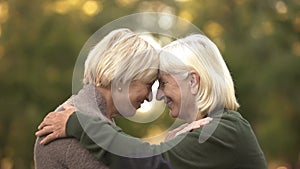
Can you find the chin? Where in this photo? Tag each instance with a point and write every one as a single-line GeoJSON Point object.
{"type": "Point", "coordinates": [128, 113]}
{"type": "Point", "coordinates": [173, 115]}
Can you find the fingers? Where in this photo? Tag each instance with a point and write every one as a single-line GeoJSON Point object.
{"type": "Point", "coordinates": [67, 106]}
{"type": "Point", "coordinates": [44, 131]}
{"type": "Point", "coordinates": [195, 125]}
{"type": "Point", "coordinates": [49, 116]}
{"type": "Point", "coordinates": [49, 138]}
{"type": "Point", "coordinates": [201, 122]}
{"type": "Point", "coordinates": [53, 125]}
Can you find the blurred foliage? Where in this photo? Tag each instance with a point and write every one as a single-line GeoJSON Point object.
{"type": "Point", "coordinates": [260, 41]}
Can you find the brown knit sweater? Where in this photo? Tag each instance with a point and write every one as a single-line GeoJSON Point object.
{"type": "Point", "coordinates": [67, 153]}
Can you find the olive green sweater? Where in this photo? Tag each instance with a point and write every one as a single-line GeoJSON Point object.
{"type": "Point", "coordinates": [228, 142]}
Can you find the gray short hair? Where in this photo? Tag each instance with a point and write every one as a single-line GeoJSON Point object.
{"type": "Point", "coordinates": [197, 52]}
{"type": "Point", "coordinates": [123, 56]}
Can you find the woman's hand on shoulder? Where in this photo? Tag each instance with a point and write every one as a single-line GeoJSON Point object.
{"type": "Point", "coordinates": [54, 124]}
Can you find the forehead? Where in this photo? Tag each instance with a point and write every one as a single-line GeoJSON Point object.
{"type": "Point", "coordinates": [164, 76]}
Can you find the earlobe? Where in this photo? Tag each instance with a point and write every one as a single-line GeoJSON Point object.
{"type": "Point", "coordinates": [194, 82]}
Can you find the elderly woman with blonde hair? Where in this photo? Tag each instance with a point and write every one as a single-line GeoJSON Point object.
{"type": "Point", "coordinates": [120, 60]}
{"type": "Point", "coordinates": [194, 83]}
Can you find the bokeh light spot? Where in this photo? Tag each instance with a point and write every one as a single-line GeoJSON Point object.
{"type": "Point", "coordinates": [296, 48]}
{"type": "Point", "coordinates": [213, 29]}
{"type": "Point", "coordinates": [186, 15]}
{"type": "Point", "coordinates": [3, 12]}
{"type": "Point", "coordinates": [281, 7]}
{"type": "Point", "coordinates": [74, 2]}
{"type": "Point", "coordinates": [282, 167]}
{"type": "Point", "coordinates": [267, 28]}
{"type": "Point", "coordinates": [297, 23]}
{"type": "Point", "coordinates": [61, 7]}
{"type": "Point", "coordinates": [92, 8]}
{"type": "Point", "coordinates": [126, 3]}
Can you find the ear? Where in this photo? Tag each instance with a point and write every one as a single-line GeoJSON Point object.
{"type": "Point", "coordinates": [194, 81]}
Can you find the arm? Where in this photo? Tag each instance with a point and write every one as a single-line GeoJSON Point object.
{"type": "Point", "coordinates": [218, 151]}
{"type": "Point", "coordinates": [184, 151]}
{"type": "Point", "coordinates": [86, 129]}
{"type": "Point", "coordinates": [112, 146]}
{"type": "Point", "coordinates": [54, 125]}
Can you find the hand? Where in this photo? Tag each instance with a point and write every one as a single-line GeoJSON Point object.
{"type": "Point", "coordinates": [54, 124]}
{"type": "Point", "coordinates": [187, 127]}
{"type": "Point", "coordinates": [195, 125]}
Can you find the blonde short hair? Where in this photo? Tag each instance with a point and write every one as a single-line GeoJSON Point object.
{"type": "Point", "coordinates": [122, 56]}
{"type": "Point", "coordinates": [197, 52]}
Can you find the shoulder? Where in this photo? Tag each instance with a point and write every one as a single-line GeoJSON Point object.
{"type": "Point", "coordinates": [52, 155]}
{"type": "Point", "coordinates": [64, 153]}
{"type": "Point", "coordinates": [54, 147]}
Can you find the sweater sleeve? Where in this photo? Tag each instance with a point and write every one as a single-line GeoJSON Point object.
{"type": "Point", "coordinates": [112, 146]}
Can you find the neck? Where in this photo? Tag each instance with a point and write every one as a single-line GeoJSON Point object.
{"type": "Point", "coordinates": [110, 108]}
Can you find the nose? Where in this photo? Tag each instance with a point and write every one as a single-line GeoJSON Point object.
{"type": "Point", "coordinates": [149, 97]}
{"type": "Point", "coordinates": [160, 95]}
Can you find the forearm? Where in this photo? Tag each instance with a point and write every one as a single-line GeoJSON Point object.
{"type": "Point", "coordinates": [105, 141]}
{"type": "Point", "coordinates": [90, 130]}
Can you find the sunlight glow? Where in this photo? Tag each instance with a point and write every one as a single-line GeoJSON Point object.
{"type": "Point", "coordinates": [297, 23]}
{"type": "Point", "coordinates": [147, 106]}
{"type": "Point", "coordinates": [74, 2]}
{"type": "Point", "coordinates": [3, 12]}
{"type": "Point", "coordinates": [213, 29]}
{"type": "Point", "coordinates": [92, 8]}
{"type": "Point", "coordinates": [155, 135]}
{"type": "Point", "coordinates": [61, 7]}
{"type": "Point", "coordinates": [267, 27]}
{"type": "Point", "coordinates": [126, 3]}
{"type": "Point", "coordinates": [165, 22]}
{"type": "Point", "coordinates": [186, 15]}
{"type": "Point", "coordinates": [151, 40]}
{"type": "Point", "coordinates": [282, 167]}
{"type": "Point", "coordinates": [281, 7]}
{"type": "Point", "coordinates": [6, 163]}
{"type": "Point", "coordinates": [296, 48]}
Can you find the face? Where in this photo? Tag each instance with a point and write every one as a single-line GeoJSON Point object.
{"type": "Point", "coordinates": [178, 96]}
{"type": "Point", "coordinates": [128, 98]}
{"type": "Point", "coordinates": [139, 92]}
{"type": "Point", "coordinates": [169, 91]}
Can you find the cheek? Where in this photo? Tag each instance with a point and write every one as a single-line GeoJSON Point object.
{"type": "Point", "coordinates": [138, 93]}
{"type": "Point", "coordinates": [168, 91]}
{"type": "Point", "coordinates": [174, 94]}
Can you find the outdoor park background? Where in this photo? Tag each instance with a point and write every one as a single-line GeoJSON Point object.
{"type": "Point", "coordinates": [259, 39]}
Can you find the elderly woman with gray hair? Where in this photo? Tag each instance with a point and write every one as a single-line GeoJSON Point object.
{"type": "Point", "coordinates": [121, 60]}
{"type": "Point", "coordinates": [194, 83]}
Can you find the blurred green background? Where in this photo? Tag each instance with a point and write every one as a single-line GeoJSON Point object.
{"type": "Point", "coordinates": [259, 39]}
